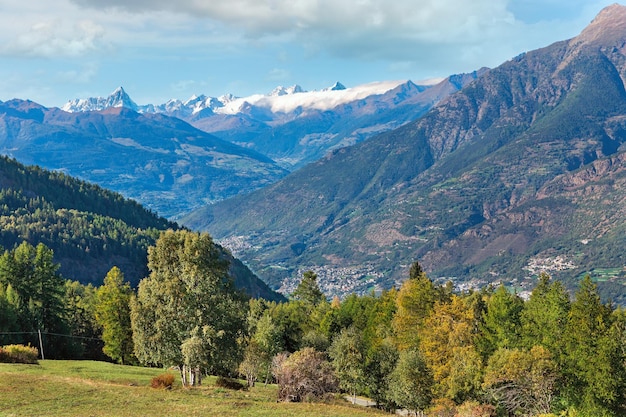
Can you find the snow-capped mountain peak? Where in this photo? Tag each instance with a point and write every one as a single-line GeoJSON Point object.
{"type": "Point", "coordinates": [280, 100]}
{"type": "Point", "coordinates": [336, 87]}
{"type": "Point", "coordinates": [118, 98]}
{"type": "Point", "coordinates": [283, 91]}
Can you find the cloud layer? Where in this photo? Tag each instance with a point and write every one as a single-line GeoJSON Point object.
{"type": "Point", "coordinates": [237, 42]}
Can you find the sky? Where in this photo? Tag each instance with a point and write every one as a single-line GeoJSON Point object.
{"type": "Point", "coordinates": [52, 51]}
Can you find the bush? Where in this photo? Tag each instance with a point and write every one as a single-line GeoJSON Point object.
{"type": "Point", "coordinates": [229, 383]}
{"type": "Point", "coordinates": [306, 375]}
{"type": "Point", "coordinates": [163, 381]}
{"type": "Point", "coordinates": [19, 354]}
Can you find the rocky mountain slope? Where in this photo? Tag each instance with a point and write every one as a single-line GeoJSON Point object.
{"type": "Point", "coordinates": [160, 161]}
{"type": "Point", "coordinates": [521, 171]}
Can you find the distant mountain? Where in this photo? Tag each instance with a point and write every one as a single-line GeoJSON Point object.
{"type": "Point", "coordinates": [118, 98]}
{"type": "Point", "coordinates": [521, 171]}
{"type": "Point", "coordinates": [295, 127]}
{"type": "Point", "coordinates": [90, 229]}
{"type": "Point", "coordinates": [162, 162]}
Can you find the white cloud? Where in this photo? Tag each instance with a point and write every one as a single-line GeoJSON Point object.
{"type": "Point", "coordinates": [421, 19]}
{"type": "Point", "coordinates": [231, 45]}
{"type": "Point", "coordinates": [55, 37]}
{"type": "Point", "coordinates": [434, 32]}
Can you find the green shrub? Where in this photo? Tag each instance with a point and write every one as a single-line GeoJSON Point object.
{"type": "Point", "coordinates": [18, 354]}
{"type": "Point", "coordinates": [163, 381]}
{"type": "Point", "coordinates": [229, 383]}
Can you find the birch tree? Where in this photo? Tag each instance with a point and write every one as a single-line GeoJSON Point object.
{"type": "Point", "coordinates": [187, 312]}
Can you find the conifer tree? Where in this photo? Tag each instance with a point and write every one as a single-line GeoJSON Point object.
{"type": "Point", "coordinates": [308, 289]}
{"type": "Point", "coordinates": [415, 301]}
{"type": "Point", "coordinates": [594, 364]}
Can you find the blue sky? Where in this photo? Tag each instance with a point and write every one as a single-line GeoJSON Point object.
{"type": "Point", "coordinates": [53, 51]}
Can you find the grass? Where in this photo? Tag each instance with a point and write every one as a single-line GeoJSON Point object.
{"type": "Point", "coordinates": [87, 388]}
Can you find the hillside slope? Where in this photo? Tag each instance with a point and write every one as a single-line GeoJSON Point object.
{"type": "Point", "coordinates": [160, 161]}
{"type": "Point", "coordinates": [90, 229]}
{"type": "Point", "coordinates": [520, 171]}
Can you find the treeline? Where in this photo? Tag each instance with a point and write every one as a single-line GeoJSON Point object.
{"type": "Point", "coordinates": [422, 347]}
{"type": "Point", "coordinates": [35, 299]}
{"type": "Point", "coordinates": [89, 229]}
{"type": "Point", "coordinates": [427, 347]}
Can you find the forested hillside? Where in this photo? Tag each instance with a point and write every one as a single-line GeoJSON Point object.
{"type": "Point", "coordinates": [89, 229]}
{"type": "Point", "coordinates": [162, 162]}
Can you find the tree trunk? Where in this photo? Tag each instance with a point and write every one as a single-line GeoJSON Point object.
{"type": "Point", "coordinates": [183, 375]}
{"type": "Point", "coordinates": [198, 376]}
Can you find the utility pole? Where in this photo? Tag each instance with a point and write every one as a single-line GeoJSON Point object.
{"type": "Point", "coordinates": [40, 345]}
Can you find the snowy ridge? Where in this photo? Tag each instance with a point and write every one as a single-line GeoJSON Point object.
{"type": "Point", "coordinates": [280, 100]}
{"type": "Point", "coordinates": [318, 100]}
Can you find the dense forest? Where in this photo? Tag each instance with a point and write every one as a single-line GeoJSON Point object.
{"type": "Point", "coordinates": [88, 228]}
{"type": "Point", "coordinates": [422, 347]}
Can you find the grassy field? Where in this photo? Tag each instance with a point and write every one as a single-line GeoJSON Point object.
{"type": "Point", "coordinates": [86, 388]}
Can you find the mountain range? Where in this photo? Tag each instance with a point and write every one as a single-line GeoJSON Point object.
{"type": "Point", "coordinates": [150, 154]}
{"type": "Point", "coordinates": [164, 163]}
{"type": "Point", "coordinates": [523, 170]}
{"type": "Point", "coordinates": [292, 126]}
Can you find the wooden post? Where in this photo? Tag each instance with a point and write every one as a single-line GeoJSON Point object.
{"type": "Point", "coordinates": [40, 345]}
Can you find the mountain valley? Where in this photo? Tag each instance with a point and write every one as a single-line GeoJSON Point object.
{"type": "Point", "coordinates": [492, 176]}
{"type": "Point", "coordinates": [520, 171]}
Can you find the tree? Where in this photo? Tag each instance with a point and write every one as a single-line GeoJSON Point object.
{"type": "Point", "coordinates": [348, 358]}
{"type": "Point", "coordinates": [80, 310]}
{"type": "Point", "coordinates": [411, 382]}
{"type": "Point", "coordinates": [523, 382]}
{"type": "Point", "coordinates": [253, 359]}
{"type": "Point", "coordinates": [501, 321]}
{"type": "Point", "coordinates": [544, 316]}
{"type": "Point", "coordinates": [304, 375]}
{"type": "Point", "coordinates": [594, 357]}
{"type": "Point", "coordinates": [113, 315]}
{"type": "Point", "coordinates": [308, 290]}
{"type": "Point", "coordinates": [39, 290]}
{"type": "Point", "coordinates": [447, 342]}
{"type": "Point", "coordinates": [188, 295]}
{"type": "Point", "coordinates": [267, 340]}
{"type": "Point", "coordinates": [8, 316]}
{"type": "Point", "coordinates": [49, 289]}
{"type": "Point", "coordinates": [381, 361]}
{"type": "Point", "coordinates": [415, 301]}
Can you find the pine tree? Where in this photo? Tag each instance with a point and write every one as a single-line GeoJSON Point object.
{"type": "Point", "coordinates": [308, 289]}
{"type": "Point", "coordinates": [594, 364]}
{"type": "Point", "coordinates": [501, 321]}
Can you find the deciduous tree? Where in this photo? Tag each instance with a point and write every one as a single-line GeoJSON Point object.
{"type": "Point", "coordinates": [348, 358]}
{"type": "Point", "coordinates": [305, 374]}
{"type": "Point", "coordinates": [113, 314]}
{"type": "Point", "coordinates": [523, 382]}
{"type": "Point", "coordinates": [188, 295]}
{"type": "Point", "coordinates": [411, 382]}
